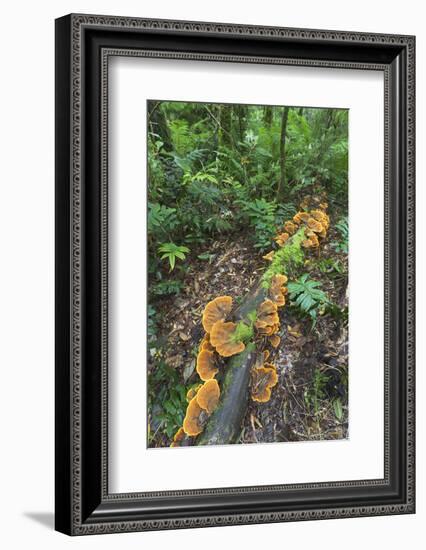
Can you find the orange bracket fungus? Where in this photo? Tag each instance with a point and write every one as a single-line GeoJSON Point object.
{"type": "Point", "coordinates": [315, 225]}
{"type": "Point", "coordinates": [205, 344]}
{"type": "Point", "coordinates": [282, 238]}
{"type": "Point", "coordinates": [321, 217]}
{"type": "Point", "coordinates": [263, 380]}
{"type": "Point", "coordinates": [269, 256]}
{"type": "Point", "coordinates": [222, 337]}
{"type": "Point", "coordinates": [178, 438]}
{"type": "Point", "coordinates": [267, 314]}
{"type": "Point", "coordinates": [268, 331]}
{"type": "Point", "coordinates": [290, 227]}
{"type": "Point", "coordinates": [304, 205]}
{"type": "Point", "coordinates": [216, 310]}
{"type": "Point", "coordinates": [193, 421]}
{"type": "Point", "coordinates": [301, 217]}
{"type": "Point", "coordinates": [311, 242]}
{"type": "Point", "coordinates": [275, 340]}
{"type": "Point", "coordinates": [208, 395]}
{"type": "Point", "coordinates": [192, 392]}
{"type": "Point", "coordinates": [206, 365]}
{"type": "Point", "coordinates": [277, 291]}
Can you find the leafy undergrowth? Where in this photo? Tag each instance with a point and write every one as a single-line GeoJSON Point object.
{"type": "Point", "coordinates": [310, 399]}
{"type": "Point", "coordinates": [230, 266]}
{"type": "Point", "coordinates": [222, 180]}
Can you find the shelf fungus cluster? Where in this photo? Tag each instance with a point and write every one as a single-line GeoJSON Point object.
{"type": "Point", "coordinates": [268, 321]}
{"type": "Point", "coordinates": [221, 340]}
{"type": "Point", "coordinates": [204, 400]}
{"type": "Point", "coordinates": [221, 335]}
{"type": "Point", "coordinates": [258, 328]}
{"type": "Point", "coordinates": [278, 290]}
{"type": "Point", "coordinates": [264, 378]}
{"type": "Point", "coordinates": [267, 324]}
{"type": "Point", "coordinates": [216, 310]}
{"type": "Point", "coordinates": [316, 223]}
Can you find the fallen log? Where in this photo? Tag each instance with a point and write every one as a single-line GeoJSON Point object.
{"type": "Point", "coordinates": [233, 350]}
{"type": "Point", "coordinates": [225, 424]}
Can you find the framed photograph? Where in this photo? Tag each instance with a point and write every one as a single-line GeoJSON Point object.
{"type": "Point", "coordinates": [234, 274]}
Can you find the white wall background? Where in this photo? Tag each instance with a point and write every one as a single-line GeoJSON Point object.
{"type": "Point", "coordinates": [26, 288]}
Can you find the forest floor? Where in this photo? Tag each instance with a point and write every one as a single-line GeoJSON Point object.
{"type": "Point", "coordinates": [311, 362]}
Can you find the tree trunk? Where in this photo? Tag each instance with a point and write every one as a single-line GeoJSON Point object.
{"type": "Point", "coordinates": [329, 118]}
{"type": "Point", "coordinates": [240, 116]}
{"type": "Point", "coordinates": [158, 124]}
{"type": "Point", "coordinates": [225, 126]}
{"type": "Point", "coordinates": [267, 115]}
{"type": "Point", "coordinates": [282, 182]}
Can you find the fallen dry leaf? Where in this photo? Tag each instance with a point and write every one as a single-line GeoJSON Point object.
{"type": "Point", "coordinates": [188, 370]}
{"type": "Point", "coordinates": [294, 331]}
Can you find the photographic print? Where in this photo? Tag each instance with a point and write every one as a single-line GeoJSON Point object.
{"type": "Point", "coordinates": [235, 278]}
{"type": "Point", "coordinates": [248, 242]}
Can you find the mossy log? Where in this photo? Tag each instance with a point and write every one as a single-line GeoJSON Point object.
{"type": "Point", "coordinates": [225, 424]}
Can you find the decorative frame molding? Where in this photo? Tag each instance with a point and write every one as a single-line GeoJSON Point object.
{"type": "Point", "coordinates": [84, 43]}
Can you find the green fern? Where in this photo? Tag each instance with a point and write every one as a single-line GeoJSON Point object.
{"type": "Point", "coordinates": [260, 214]}
{"type": "Point", "coordinates": [343, 228]}
{"type": "Point", "coordinates": [171, 251]}
{"type": "Point", "coordinates": [167, 288]}
{"type": "Point", "coordinates": [161, 219]}
{"type": "Point", "coordinates": [307, 296]}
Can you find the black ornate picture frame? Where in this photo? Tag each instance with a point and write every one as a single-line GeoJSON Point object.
{"type": "Point", "coordinates": [84, 43]}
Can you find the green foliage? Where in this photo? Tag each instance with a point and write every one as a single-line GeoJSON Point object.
{"type": "Point", "coordinates": [343, 227]}
{"type": "Point", "coordinates": [214, 169]}
{"type": "Point", "coordinates": [202, 176]}
{"type": "Point", "coordinates": [338, 409]}
{"type": "Point", "coordinates": [182, 138]}
{"type": "Point", "coordinates": [171, 251]}
{"type": "Point", "coordinates": [243, 332]}
{"type": "Point", "coordinates": [252, 316]}
{"type": "Point", "coordinates": [260, 216]}
{"type": "Point", "coordinates": [317, 391]}
{"type": "Point", "coordinates": [161, 220]}
{"type": "Point", "coordinates": [317, 150]}
{"type": "Point", "coordinates": [167, 287]}
{"type": "Point", "coordinates": [307, 296]}
{"type": "Point", "coordinates": [188, 162]}
{"type": "Point", "coordinates": [166, 399]}
{"type": "Point", "coordinates": [152, 325]}
{"type": "Point", "coordinates": [206, 257]}
{"type": "Point", "coordinates": [337, 312]}
{"type": "Point", "coordinates": [331, 266]}
{"type": "Point", "coordinates": [285, 211]}
{"type": "Point", "coordinates": [205, 211]}
{"type": "Point", "coordinates": [286, 259]}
